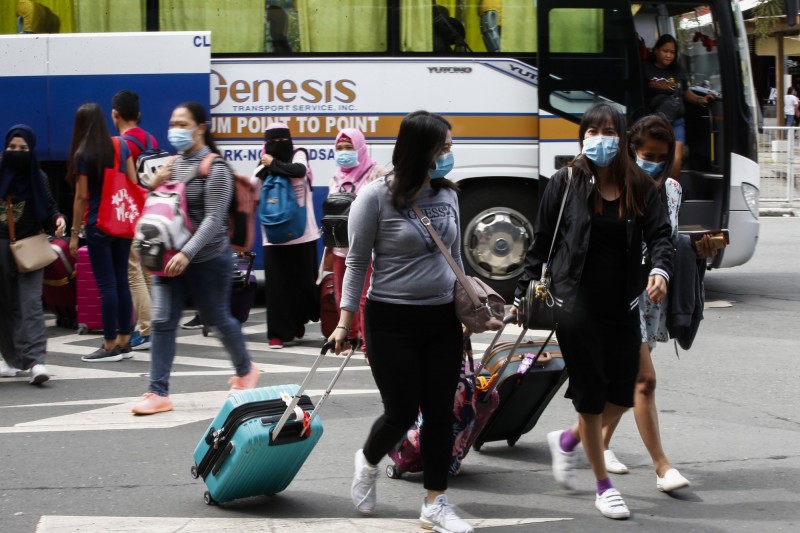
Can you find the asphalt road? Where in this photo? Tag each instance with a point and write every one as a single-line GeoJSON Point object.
{"type": "Point", "coordinates": [73, 458]}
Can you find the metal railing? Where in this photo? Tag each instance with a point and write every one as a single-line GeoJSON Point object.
{"type": "Point", "coordinates": [779, 161]}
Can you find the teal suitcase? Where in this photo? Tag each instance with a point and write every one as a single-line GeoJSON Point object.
{"type": "Point", "coordinates": [260, 439]}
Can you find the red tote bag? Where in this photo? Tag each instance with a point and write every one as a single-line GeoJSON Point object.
{"type": "Point", "coordinates": [121, 201]}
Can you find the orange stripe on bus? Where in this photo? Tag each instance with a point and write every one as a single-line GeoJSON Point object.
{"type": "Point", "coordinates": [557, 129]}
{"type": "Point", "coordinates": [244, 127]}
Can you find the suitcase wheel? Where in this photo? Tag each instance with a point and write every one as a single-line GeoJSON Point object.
{"type": "Point", "coordinates": [393, 472]}
{"type": "Point", "coordinates": [83, 330]}
{"type": "Point", "coordinates": [511, 442]}
{"type": "Point", "coordinates": [205, 331]}
{"type": "Point", "coordinates": [194, 472]}
{"type": "Point", "coordinates": [208, 499]}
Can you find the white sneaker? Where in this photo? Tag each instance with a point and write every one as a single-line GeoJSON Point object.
{"type": "Point", "coordinates": [39, 375]}
{"type": "Point", "coordinates": [672, 480]}
{"type": "Point", "coordinates": [611, 505]}
{"type": "Point", "coordinates": [563, 462]}
{"type": "Point", "coordinates": [8, 371]}
{"type": "Point", "coordinates": [440, 516]}
{"type": "Point", "coordinates": [363, 489]}
{"type": "Point", "coordinates": [613, 464]}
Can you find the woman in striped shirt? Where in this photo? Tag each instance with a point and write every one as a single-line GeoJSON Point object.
{"type": "Point", "coordinates": [203, 266]}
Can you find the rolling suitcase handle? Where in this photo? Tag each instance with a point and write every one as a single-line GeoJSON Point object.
{"type": "Point", "coordinates": [276, 431]}
{"type": "Point", "coordinates": [493, 382]}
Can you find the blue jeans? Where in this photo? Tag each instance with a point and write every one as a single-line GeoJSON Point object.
{"type": "Point", "coordinates": [209, 283]}
{"type": "Point", "coordinates": [109, 258]}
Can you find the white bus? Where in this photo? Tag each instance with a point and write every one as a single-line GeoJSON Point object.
{"type": "Point", "coordinates": [513, 77]}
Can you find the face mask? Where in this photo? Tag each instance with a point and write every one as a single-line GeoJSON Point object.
{"type": "Point", "coordinates": [17, 159]}
{"type": "Point", "coordinates": [600, 149]}
{"type": "Point", "coordinates": [280, 150]}
{"type": "Point", "coordinates": [347, 158]}
{"type": "Point", "coordinates": [653, 169]}
{"type": "Point", "coordinates": [444, 164]}
{"type": "Point", "coordinates": [181, 139]}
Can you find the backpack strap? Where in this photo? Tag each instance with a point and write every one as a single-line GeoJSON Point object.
{"type": "Point", "coordinates": [150, 141]}
{"type": "Point", "coordinates": [134, 140]}
{"type": "Point", "coordinates": [205, 165]}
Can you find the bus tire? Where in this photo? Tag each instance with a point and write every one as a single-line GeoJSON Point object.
{"type": "Point", "coordinates": [496, 231]}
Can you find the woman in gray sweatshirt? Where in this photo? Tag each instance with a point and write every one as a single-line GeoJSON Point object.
{"type": "Point", "coordinates": [410, 322]}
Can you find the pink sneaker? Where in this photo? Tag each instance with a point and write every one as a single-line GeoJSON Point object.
{"type": "Point", "coordinates": [275, 343]}
{"type": "Point", "coordinates": [248, 381]}
{"type": "Point", "coordinates": [151, 403]}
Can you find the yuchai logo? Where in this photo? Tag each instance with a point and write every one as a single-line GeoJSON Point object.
{"type": "Point", "coordinates": [449, 70]}
{"type": "Point", "coordinates": [280, 91]}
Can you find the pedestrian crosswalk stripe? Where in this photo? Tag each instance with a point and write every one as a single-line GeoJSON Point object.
{"type": "Point", "coordinates": [132, 524]}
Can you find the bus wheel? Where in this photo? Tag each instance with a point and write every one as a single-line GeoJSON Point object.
{"type": "Point", "coordinates": [497, 229]}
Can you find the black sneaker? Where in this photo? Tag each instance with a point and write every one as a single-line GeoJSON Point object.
{"type": "Point", "coordinates": [194, 323]}
{"type": "Point", "coordinates": [126, 351]}
{"type": "Point", "coordinates": [101, 355]}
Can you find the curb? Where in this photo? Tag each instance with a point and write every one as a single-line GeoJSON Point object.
{"type": "Point", "coordinates": [778, 212]}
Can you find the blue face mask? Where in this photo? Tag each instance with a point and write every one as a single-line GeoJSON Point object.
{"type": "Point", "coordinates": [347, 158]}
{"type": "Point", "coordinates": [653, 169]}
{"type": "Point", "coordinates": [601, 149]}
{"type": "Point", "coordinates": [444, 164]}
{"type": "Point", "coordinates": [181, 139]}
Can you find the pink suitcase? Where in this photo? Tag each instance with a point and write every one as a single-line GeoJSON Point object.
{"type": "Point", "coordinates": [90, 313]}
{"type": "Point", "coordinates": [58, 291]}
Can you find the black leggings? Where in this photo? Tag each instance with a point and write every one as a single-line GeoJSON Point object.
{"type": "Point", "coordinates": [415, 357]}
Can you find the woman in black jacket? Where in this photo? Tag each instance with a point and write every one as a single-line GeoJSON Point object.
{"type": "Point", "coordinates": [26, 197]}
{"type": "Point", "coordinates": [611, 208]}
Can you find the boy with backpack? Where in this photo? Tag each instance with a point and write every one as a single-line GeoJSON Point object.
{"type": "Point", "coordinates": [125, 115]}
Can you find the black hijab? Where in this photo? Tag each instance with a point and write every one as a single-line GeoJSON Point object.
{"type": "Point", "coordinates": [23, 182]}
{"type": "Point", "coordinates": [280, 150]}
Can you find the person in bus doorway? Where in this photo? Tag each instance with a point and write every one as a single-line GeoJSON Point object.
{"type": "Point", "coordinates": [410, 322]}
{"type": "Point", "coordinates": [91, 152]}
{"type": "Point", "coordinates": [652, 144]}
{"type": "Point", "coordinates": [27, 200]}
{"type": "Point", "coordinates": [290, 268]}
{"type": "Point", "coordinates": [125, 115]}
{"type": "Point", "coordinates": [667, 88]}
{"type": "Point", "coordinates": [611, 207]}
{"type": "Point", "coordinates": [202, 268]}
{"type": "Point", "coordinates": [354, 169]}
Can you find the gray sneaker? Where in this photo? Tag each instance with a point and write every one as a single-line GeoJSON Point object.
{"type": "Point", "coordinates": [563, 462]}
{"type": "Point", "coordinates": [363, 488]}
{"type": "Point", "coordinates": [101, 355]}
{"type": "Point", "coordinates": [440, 516]}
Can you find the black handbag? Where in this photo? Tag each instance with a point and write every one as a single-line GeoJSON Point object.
{"type": "Point", "coordinates": [335, 211]}
{"type": "Point", "coordinates": [669, 105]}
{"type": "Point", "coordinates": [536, 306]}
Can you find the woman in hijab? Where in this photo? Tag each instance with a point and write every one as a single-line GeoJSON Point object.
{"type": "Point", "coordinates": [290, 267]}
{"type": "Point", "coordinates": [354, 169]}
{"type": "Point", "coordinates": [26, 197]}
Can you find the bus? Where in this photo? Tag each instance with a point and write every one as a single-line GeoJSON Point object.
{"type": "Point", "coordinates": [512, 76]}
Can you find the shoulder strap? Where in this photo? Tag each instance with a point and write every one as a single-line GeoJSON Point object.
{"type": "Point", "coordinates": [473, 296]}
{"type": "Point", "coordinates": [150, 141]}
{"type": "Point", "coordinates": [134, 140]}
{"type": "Point", "coordinates": [205, 165]}
{"type": "Point", "coordinates": [117, 142]}
{"type": "Point", "coordinates": [558, 221]}
{"type": "Point", "coordinates": [10, 220]}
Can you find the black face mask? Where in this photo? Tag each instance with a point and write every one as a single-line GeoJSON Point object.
{"type": "Point", "coordinates": [280, 150]}
{"type": "Point", "coordinates": [17, 160]}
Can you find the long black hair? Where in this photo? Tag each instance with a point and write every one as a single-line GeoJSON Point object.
{"type": "Point", "coordinates": [421, 139]}
{"type": "Point", "coordinates": [200, 116]}
{"type": "Point", "coordinates": [654, 127]}
{"type": "Point", "coordinates": [627, 175]}
{"type": "Point", "coordinates": [91, 144]}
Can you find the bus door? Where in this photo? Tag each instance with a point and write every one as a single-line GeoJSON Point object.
{"type": "Point", "coordinates": [587, 53]}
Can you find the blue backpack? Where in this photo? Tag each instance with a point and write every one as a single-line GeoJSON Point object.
{"type": "Point", "coordinates": [281, 216]}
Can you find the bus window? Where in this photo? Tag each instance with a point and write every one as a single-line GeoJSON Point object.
{"type": "Point", "coordinates": [82, 16]}
{"type": "Point", "coordinates": [342, 26]}
{"type": "Point", "coordinates": [240, 27]}
{"type": "Point", "coordinates": [447, 26]}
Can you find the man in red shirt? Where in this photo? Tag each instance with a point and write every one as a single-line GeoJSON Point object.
{"type": "Point", "coordinates": [125, 115]}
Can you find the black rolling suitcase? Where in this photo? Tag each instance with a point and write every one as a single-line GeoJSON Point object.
{"type": "Point", "coordinates": [243, 288]}
{"type": "Point", "coordinates": [527, 374]}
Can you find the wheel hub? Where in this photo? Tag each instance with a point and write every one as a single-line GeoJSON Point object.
{"type": "Point", "coordinates": [495, 243]}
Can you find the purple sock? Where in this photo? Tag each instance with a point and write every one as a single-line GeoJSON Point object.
{"type": "Point", "coordinates": [603, 485]}
{"type": "Point", "coordinates": [568, 441]}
